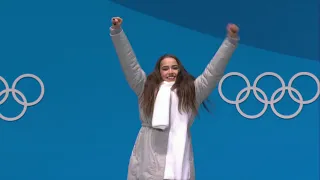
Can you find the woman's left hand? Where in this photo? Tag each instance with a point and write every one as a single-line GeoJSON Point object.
{"type": "Point", "coordinates": [232, 30]}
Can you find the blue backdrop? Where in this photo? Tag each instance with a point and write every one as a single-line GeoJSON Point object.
{"type": "Point", "coordinates": [85, 125]}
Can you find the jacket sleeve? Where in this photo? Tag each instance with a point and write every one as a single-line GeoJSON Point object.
{"type": "Point", "coordinates": [134, 74]}
{"type": "Point", "coordinates": [207, 81]}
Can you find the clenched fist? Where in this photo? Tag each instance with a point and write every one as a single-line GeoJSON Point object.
{"type": "Point", "coordinates": [116, 22]}
{"type": "Point", "coordinates": [232, 30]}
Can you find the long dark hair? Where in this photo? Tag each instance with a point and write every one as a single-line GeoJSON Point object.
{"type": "Point", "coordinates": [184, 85]}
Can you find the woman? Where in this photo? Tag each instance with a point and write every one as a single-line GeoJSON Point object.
{"type": "Point", "coordinates": [169, 99]}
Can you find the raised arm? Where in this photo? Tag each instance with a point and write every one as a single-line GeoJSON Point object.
{"type": "Point", "coordinates": [207, 81]}
{"type": "Point", "coordinates": [134, 74]}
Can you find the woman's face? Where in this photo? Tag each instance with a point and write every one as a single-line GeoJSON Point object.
{"type": "Point", "coordinates": [169, 69]}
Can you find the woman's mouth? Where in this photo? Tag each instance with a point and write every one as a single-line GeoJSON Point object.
{"type": "Point", "coordinates": [171, 78]}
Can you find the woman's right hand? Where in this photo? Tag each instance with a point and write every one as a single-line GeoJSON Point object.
{"type": "Point", "coordinates": [116, 22]}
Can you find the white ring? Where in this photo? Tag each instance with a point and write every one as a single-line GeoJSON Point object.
{"type": "Point", "coordinates": [286, 116]}
{"type": "Point", "coordinates": [290, 88]}
{"type": "Point", "coordinates": [236, 101]}
{"type": "Point", "coordinates": [15, 82]}
{"type": "Point", "coordinates": [283, 90]}
{"type": "Point", "coordinates": [252, 116]}
{"type": "Point", "coordinates": [6, 85]}
{"type": "Point", "coordinates": [24, 106]}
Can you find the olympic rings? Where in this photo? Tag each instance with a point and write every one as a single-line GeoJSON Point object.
{"type": "Point", "coordinates": [14, 92]}
{"type": "Point", "coordinates": [273, 100]}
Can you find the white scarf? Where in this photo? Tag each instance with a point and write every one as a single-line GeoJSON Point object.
{"type": "Point", "coordinates": [165, 114]}
{"type": "Point", "coordinates": [161, 110]}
